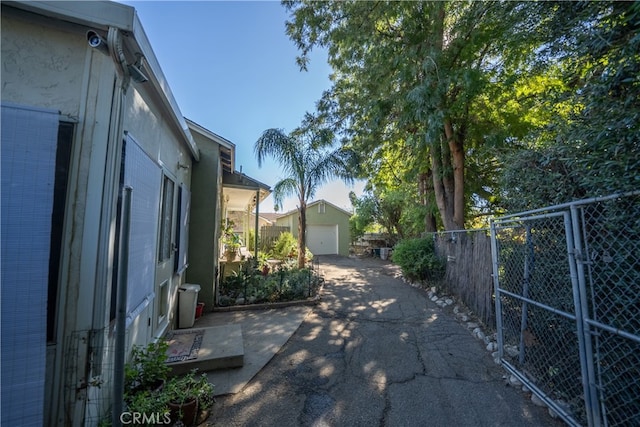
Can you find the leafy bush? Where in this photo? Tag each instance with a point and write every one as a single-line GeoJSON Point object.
{"type": "Point", "coordinates": [285, 246]}
{"type": "Point", "coordinates": [281, 284]}
{"type": "Point", "coordinates": [418, 260]}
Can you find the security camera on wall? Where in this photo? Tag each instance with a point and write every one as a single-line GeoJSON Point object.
{"type": "Point", "coordinates": [97, 42]}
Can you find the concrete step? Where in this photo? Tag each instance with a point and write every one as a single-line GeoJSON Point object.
{"type": "Point", "coordinates": [221, 348]}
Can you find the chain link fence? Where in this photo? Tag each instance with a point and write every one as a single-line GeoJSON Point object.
{"type": "Point", "coordinates": [567, 286]}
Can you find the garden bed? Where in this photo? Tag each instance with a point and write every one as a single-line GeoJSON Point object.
{"type": "Point", "coordinates": [276, 285]}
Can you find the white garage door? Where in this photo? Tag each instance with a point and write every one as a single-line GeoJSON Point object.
{"type": "Point", "coordinates": [322, 239]}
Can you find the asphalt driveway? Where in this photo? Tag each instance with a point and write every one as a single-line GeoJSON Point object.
{"type": "Point", "coordinates": [377, 352]}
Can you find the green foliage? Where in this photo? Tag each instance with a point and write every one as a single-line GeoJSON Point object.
{"type": "Point", "coordinates": [426, 89]}
{"type": "Point", "coordinates": [260, 285]}
{"type": "Point", "coordinates": [144, 377]}
{"type": "Point", "coordinates": [285, 246]}
{"type": "Point", "coordinates": [308, 161]}
{"type": "Point", "coordinates": [591, 147]}
{"type": "Point", "coordinates": [189, 387]}
{"type": "Point", "coordinates": [147, 368]}
{"type": "Point", "coordinates": [418, 260]}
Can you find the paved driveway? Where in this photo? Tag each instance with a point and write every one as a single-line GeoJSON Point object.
{"type": "Point", "coordinates": [377, 352]}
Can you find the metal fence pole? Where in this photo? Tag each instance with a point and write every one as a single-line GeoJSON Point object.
{"type": "Point", "coordinates": [576, 255]}
{"type": "Point", "coordinates": [496, 286]}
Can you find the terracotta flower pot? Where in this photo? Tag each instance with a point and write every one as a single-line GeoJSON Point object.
{"type": "Point", "coordinates": [185, 412]}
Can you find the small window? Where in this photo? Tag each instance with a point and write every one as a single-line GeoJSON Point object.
{"type": "Point", "coordinates": [321, 208]}
{"type": "Point", "coordinates": [163, 302]}
{"type": "Point", "coordinates": [166, 220]}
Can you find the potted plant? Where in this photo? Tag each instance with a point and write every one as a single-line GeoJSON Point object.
{"type": "Point", "coordinates": [231, 241]}
{"type": "Point", "coordinates": [187, 396]}
{"type": "Point", "coordinates": [147, 369]}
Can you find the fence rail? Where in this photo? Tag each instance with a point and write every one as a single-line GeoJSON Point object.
{"type": "Point", "coordinates": [567, 286]}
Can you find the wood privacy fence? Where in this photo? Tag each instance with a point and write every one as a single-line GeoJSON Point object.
{"type": "Point", "coordinates": [469, 269]}
{"type": "Point", "coordinates": [269, 234]}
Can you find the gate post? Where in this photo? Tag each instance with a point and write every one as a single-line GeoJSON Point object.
{"type": "Point", "coordinates": [496, 286]}
{"type": "Point", "coordinates": [576, 259]}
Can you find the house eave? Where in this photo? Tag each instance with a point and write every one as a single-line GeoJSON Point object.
{"type": "Point", "coordinates": [101, 15]}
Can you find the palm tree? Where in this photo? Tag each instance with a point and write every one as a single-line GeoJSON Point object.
{"type": "Point", "coordinates": [308, 162]}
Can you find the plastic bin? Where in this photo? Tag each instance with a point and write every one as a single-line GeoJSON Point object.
{"type": "Point", "coordinates": [187, 302]}
{"type": "Point", "coordinates": [384, 253]}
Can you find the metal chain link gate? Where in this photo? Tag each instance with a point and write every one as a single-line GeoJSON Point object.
{"type": "Point", "coordinates": [567, 294]}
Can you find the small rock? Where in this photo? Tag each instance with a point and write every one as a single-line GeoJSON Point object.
{"type": "Point", "coordinates": [472, 325]}
{"type": "Point", "coordinates": [492, 347]}
{"type": "Point", "coordinates": [456, 309]}
{"type": "Point", "coordinates": [511, 350]}
{"type": "Point", "coordinates": [480, 335]}
{"type": "Point", "coordinates": [434, 298]}
{"type": "Point", "coordinates": [537, 401]}
{"type": "Point", "coordinates": [514, 381]}
{"type": "Point", "coordinates": [525, 389]}
{"type": "Point", "coordinates": [433, 289]}
{"type": "Point", "coordinates": [464, 317]}
{"type": "Point", "coordinates": [448, 301]}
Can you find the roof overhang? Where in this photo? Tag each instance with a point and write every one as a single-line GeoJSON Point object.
{"type": "Point", "coordinates": [99, 16]}
{"type": "Point", "coordinates": [227, 148]}
{"type": "Point", "coordinates": [241, 192]}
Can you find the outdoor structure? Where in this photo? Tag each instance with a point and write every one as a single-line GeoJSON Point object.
{"type": "Point", "coordinates": [327, 228]}
{"type": "Point", "coordinates": [218, 192]}
{"type": "Point", "coordinates": [99, 173]}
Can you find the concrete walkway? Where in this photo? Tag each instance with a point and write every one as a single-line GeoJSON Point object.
{"type": "Point", "coordinates": [374, 352]}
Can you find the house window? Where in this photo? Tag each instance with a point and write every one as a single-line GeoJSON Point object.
{"type": "Point", "coordinates": [166, 220]}
{"type": "Point", "coordinates": [321, 208]}
{"type": "Point", "coordinates": [163, 302]}
{"type": "Point", "coordinates": [182, 232]}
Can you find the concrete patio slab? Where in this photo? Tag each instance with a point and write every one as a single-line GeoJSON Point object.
{"type": "Point", "coordinates": [222, 347]}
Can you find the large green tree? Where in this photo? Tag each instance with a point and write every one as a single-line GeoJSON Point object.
{"type": "Point", "coordinates": [591, 147]}
{"type": "Point", "coordinates": [308, 161]}
{"type": "Point", "coordinates": [427, 73]}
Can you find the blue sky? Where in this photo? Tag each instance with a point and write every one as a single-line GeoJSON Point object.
{"type": "Point", "coordinates": [232, 69]}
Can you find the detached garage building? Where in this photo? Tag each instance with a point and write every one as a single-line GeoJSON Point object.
{"type": "Point", "coordinates": [327, 228]}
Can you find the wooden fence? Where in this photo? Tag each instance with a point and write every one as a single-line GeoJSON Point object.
{"type": "Point", "coordinates": [469, 270]}
{"type": "Point", "coordinates": [269, 234]}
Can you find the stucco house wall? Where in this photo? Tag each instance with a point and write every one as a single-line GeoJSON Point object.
{"type": "Point", "coordinates": [47, 63]}
{"type": "Point", "coordinates": [321, 213]}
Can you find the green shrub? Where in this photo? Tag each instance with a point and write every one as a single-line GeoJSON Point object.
{"type": "Point", "coordinates": [285, 246]}
{"type": "Point", "coordinates": [418, 260]}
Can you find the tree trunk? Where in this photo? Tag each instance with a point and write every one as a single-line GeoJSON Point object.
{"type": "Point", "coordinates": [302, 234]}
{"type": "Point", "coordinates": [442, 187]}
{"type": "Point", "coordinates": [457, 161]}
{"type": "Point", "coordinates": [425, 186]}
{"type": "Point", "coordinates": [446, 186]}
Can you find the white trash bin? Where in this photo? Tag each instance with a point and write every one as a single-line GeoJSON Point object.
{"type": "Point", "coordinates": [384, 253]}
{"type": "Point", "coordinates": [187, 302]}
